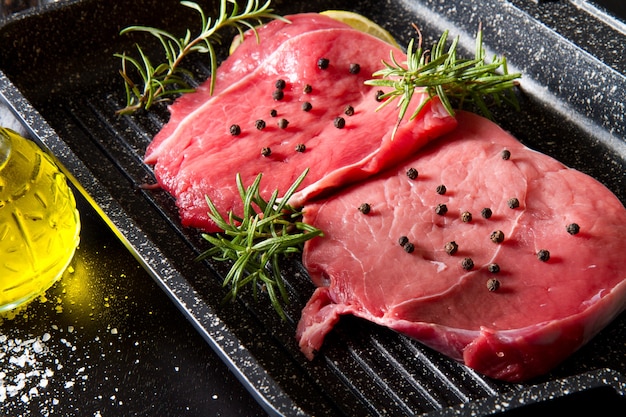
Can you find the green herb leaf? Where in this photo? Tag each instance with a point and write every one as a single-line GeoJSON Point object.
{"type": "Point", "coordinates": [161, 82]}
{"type": "Point", "coordinates": [254, 243]}
{"type": "Point", "coordinates": [442, 74]}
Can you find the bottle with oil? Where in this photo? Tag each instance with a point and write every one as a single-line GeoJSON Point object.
{"type": "Point", "coordinates": [39, 222]}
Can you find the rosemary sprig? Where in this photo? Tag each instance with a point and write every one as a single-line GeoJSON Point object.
{"type": "Point", "coordinates": [255, 242]}
{"type": "Point", "coordinates": [162, 81]}
{"type": "Point", "coordinates": [443, 74]}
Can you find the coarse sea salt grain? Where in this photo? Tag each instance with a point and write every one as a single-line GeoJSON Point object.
{"type": "Point", "coordinates": [27, 365]}
{"type": "Point", "coordinates": [23, 370]}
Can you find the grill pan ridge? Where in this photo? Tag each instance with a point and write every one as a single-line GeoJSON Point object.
{"type": "Point", "coordinates": [65, 88]}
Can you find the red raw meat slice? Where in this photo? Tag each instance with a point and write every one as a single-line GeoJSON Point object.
{"type": "Point", "coordinates": [244, 60]}
{"type": "Point", "coordinates": [201, 158]}
{"type": "Point", "coordinates": [541, 312]}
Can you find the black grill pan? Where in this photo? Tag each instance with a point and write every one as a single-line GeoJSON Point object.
{"type": "Point", "coordinates": [59, 76]}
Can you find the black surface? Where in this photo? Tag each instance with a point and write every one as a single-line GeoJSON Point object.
{"type": "Point", "coordinates": [115, 343]}
{"type": "Point", "coordinates": [614, 7]}
{"type": "Point", "coordinates": [573, 98]}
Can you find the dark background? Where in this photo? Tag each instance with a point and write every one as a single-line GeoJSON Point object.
{"type": "Point", "coordinates": [618, 7]}
{"type": "Point", "coordinates": [105, 340]}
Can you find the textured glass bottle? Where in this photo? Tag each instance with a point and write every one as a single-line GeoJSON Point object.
{"type": "Point", "coordinates": [39, 223]}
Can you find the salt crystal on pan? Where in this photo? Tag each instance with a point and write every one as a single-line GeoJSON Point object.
{"type": "Point", "coordinates": [19, 361]}
{"type": "Point", "coordinates": [37, 347]}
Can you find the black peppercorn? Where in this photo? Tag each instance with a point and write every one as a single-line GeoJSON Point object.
{"type": "Point", "coordinates": [379, 95]}
{"type": "Point", "coordinates": [365, 208]}
{"type": "Point", "coordinates": [278, 95]}
{"type": "Point", "coordinates": [280, 84]}
{"type": "Point", "coordinates": [441, 209]}
{"type": "Point", "coordinates": [349, 110]}
{"type": "Point", "coordinates": [486, 212]}
{"type": "Point", "coordinates": [493, 284]}
{"type": "Point", "coordinates": [451, 248]}
{"type": "Point", "coordinates": [409, 247]}
{"type": "Point", "coordinates": [493, 268]}
{"type": "Point", "coordinates": [339, 122]}
{"type": "Point", "coordinates": [235, 130]}
{"type": "Point", "coordinates": [543, 255]}
{"type": "Point", "coordinates": [260, 124]}
{"type": "Point", "coordinates": [573, 229]}
{"type": "Point", "coordinates": [497, 236]}
{"type": "Point", "coordinates": [466, 216]}
{"type": "Point", "coordinates": [403, 240]}
{"type": "Point", "coordinates": [355, 68]}
{"type": "Point", "coordinates": [306, 106]}
{"type": "Point", "coordinates": [283, 123]}
{"type": "Point", "coordinates": [323, 63]}
{"type": "Point", "coordinates": [467, 264]}
{"type": "Point", "coordinates": [506, 154]}
{"type": "Point", "coordinates": [273, 113]}
{"type": "Point", "coordinates": [307, 89]}
{"type": "Point", "coordinates": [412, 173]}
{"type": "Point", "coordinates": [441, 189]}
{"type": "Point", "coordinates": [266, 151]}
{"type": "Point", "coordinates": [513, 203]}
{"type": "Point", "coordinates": [300, 147]}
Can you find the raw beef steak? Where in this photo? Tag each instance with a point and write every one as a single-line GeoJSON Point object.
{"type": "Point", "coordinates": [244, 60]}
{"type": "Point", "coordinates": [515, 294]}
{"type": "Point", "coordinates": [256, 125]}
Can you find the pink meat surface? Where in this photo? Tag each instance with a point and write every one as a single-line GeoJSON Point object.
{"type": "Point", "coordinates": [244, 60]}
{"type": "Point", "coordinates": [201, 157]}
{"type": "Point", "coordinates": [542, 311]}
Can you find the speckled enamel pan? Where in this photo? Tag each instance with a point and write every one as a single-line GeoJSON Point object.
{"type": "Point", "coordinates": [59, 76]}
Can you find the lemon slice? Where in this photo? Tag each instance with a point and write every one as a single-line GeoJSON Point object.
{"type": "Point", "coordinates": [362, 23]}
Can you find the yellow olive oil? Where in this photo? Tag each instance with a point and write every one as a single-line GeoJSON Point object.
{"type": "Point", "coordinates": [39, 222]}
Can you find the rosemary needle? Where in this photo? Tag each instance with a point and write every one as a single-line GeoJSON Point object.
{"type": "Point", "coordinates": [442, 74]}
{"type": "Point", "coordinates": [162, 81]}
{"type": "Point", "coordinates": [255, 241]}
